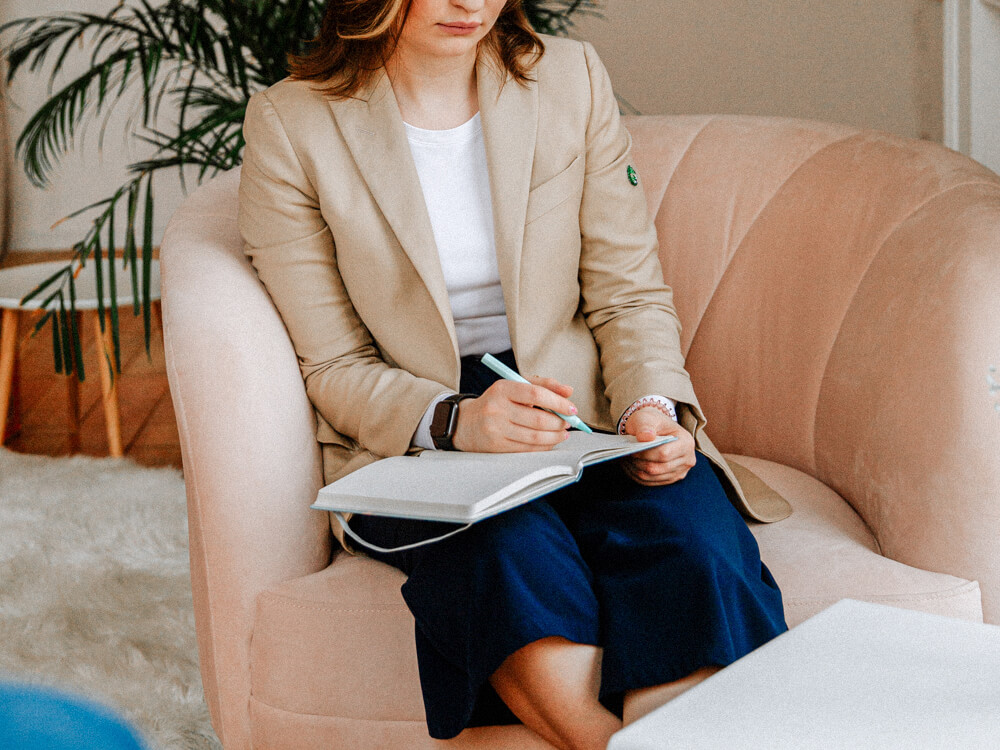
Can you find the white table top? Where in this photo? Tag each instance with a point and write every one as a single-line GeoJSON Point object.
{"type": "Point", "coordinates": [855, 676]}
{"type": "Point", "coordinates": [17, 281]}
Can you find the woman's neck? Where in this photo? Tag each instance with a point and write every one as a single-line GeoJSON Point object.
{"type": "Point", "coordinates": [434, 94]}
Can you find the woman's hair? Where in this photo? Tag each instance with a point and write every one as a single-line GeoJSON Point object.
{"type": "Point", "coordinates": [357, 37]}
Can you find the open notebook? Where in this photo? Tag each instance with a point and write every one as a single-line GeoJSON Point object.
{"type": "Point", "coordinates": [467, 487]}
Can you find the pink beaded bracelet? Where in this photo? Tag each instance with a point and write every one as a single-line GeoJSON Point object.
{"type": "Point", "coordinates": [657, 402]}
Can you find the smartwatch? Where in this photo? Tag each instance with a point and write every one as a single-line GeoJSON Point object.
{"type": "Point", "coordinates": [445, 421]}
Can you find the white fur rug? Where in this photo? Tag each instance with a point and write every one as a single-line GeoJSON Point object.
{"type": "Point", "coordinates": [94, 590]}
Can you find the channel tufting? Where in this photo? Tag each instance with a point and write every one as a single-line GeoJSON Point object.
{"type": "Point", "coordinates": [726, 126]}
{"type": "Point", "coordinates": [738, 241]}
{"type": "Point", "coordinates": [734, 248]}
{"type": "Point", "coordinates": [916, 210]}
{"type": "Point", "coordinates": [927, 304]}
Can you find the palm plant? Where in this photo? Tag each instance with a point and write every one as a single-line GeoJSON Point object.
{"type": "Point", "coordinates": [208, 56]}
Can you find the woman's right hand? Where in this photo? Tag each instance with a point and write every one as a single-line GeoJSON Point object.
{"type": "Point", "coordinates": [504, 420]}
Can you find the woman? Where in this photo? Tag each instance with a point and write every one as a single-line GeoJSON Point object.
{"type": "Point", "coordinates": [435, 182]}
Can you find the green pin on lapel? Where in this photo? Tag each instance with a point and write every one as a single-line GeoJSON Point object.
{"type": "Point", "coordinates": [632, 176]}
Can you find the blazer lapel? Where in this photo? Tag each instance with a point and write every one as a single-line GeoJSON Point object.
{"type": "Point", "coordinates": [374, 132]}
{"type": "Point", "coordinates": [509, 115]}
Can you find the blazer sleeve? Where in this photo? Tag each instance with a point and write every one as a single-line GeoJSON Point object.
{"type": "Point", "coordinates": [292, 249]}
{"type": "Point", "coordinates": [625, 302]}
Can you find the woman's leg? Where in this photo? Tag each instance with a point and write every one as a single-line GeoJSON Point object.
{"type": "Point", "coordinates": [678, 578]}
{"type": "Point", "coordinates": [642, 701]}
{"type": "Point", "coordinates": [552, 686]}
{"type": "Point", "coordinates": [504, 614]}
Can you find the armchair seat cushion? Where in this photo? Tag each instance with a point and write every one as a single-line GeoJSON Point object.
{"type": "Point", "coordinates": [350, 618]}
{"type": "Point", "coordinates": [824, 552]}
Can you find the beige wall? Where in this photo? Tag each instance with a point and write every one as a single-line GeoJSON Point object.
{"type": "Point", "coordinates": [871, 63]}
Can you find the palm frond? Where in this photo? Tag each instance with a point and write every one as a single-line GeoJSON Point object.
{"type": "Point", "coordinates": [558, 16]}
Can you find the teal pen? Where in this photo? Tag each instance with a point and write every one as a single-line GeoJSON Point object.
{"type": "Point", "coordinates": [508, 374]}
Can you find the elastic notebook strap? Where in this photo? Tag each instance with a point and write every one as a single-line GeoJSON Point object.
{"type": "Point", "coordinates": [359, 540]}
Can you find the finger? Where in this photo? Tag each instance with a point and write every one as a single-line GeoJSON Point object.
{"type": "Point", "coordinates": [649, 480]}
{"type": "Point", "coordinates": [659, 454]}
{"type": "Point", "coordinates": [667, 452]}
{"type": "Point", "coordinates": [536, 419]}
{"type": "Point", "coordinates": [673, 468]}
{"type": "Point", "coordinates": [552, 384]}
{"type": "Point", "coordinates": [656, 480]}
{"type": "Point", "coordinates": [656, 468]}
{"type": "Point", "coordinates": [671, 453]}
{"type": "Point", "coordinates": [537, 395]}
{"type": "Point", "coordinates": [646, 424]}
{"type": "Point", "coordinates": [658, 471]}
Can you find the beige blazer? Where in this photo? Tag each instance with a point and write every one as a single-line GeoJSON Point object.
{"type": "Point", "coordinates": [333, 220]}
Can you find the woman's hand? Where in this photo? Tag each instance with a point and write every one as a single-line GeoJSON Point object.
{"type": "Point", "coordinates": [666, 463]}
{"type": "Point", "coordinates": [504, 420]}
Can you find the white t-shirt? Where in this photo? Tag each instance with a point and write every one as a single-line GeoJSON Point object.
{"type": "Point", "coordinates": [451, 165]}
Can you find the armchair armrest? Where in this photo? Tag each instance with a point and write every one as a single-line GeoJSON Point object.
{"type": "Point", "coordinates": [251, 461]}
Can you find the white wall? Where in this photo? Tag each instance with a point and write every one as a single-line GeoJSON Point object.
{"type": "Point", "coordinates": [984, 83]}
{"type": "Point", "coordinates": [972, 79]}
{"type": "Point", "coordinates": [873, 64]}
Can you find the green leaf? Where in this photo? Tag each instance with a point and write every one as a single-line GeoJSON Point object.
{"type": "Point", "coordinates": [113, 308]}
{"type": "Point", "coordinates": [129, 250]}
{"type": "Point", "coordinates": [99, 265]}
{"type": "Point", "coordinates": [65, 337]}
{"type": "Point", "coordinates": [74, 329]}
{"type": "Point", "coordinates": [132, 263]}
{"type": "Point", "coordinates": [41, 322]}
{"type": "Point", "coordinates": [147, 262]}
{"type": "Point", "coordinates": [43, 286]}
{"type": "Point", "coordinates": [57, 349]}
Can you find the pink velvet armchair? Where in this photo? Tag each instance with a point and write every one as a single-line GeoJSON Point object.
{"type": "Point", "coordinates": [840, 296]}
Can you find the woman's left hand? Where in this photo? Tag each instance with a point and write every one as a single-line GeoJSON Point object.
{"type": "Point", "coordinates": [666, 463]}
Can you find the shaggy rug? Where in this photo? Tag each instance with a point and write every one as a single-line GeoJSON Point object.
{"type": "Point", "coordinates": [94, 590]}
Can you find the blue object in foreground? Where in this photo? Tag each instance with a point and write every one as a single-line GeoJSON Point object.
{"type": "Point", "coordinates": [38, 718]}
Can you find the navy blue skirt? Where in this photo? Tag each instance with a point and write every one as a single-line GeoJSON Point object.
{"type": "Point", "coordinates": [666, 580]}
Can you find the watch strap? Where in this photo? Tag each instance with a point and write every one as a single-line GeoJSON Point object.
{"type": "Point", "coordinates": [445, 421]}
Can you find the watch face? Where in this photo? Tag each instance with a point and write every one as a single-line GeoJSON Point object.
{"type": "Point", "coordinates": [443, 423]}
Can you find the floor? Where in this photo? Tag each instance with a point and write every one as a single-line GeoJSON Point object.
{"type": "Point", "coordinates": [149, 429]}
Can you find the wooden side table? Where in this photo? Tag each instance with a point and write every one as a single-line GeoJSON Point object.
{"type": "Point", "coordinates": [15, 283]}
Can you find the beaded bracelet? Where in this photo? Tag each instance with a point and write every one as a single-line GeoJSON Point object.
{"type": "Point", "coordinates": [657, 402]}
